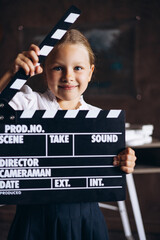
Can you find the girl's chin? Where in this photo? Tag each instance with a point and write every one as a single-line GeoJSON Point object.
{"type": "Point", "coordinates": [68, 100]}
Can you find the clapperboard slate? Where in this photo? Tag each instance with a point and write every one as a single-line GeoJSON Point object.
{"type": "Point", "coordinates": [59, 156]}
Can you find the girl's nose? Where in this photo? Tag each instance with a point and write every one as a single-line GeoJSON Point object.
{"type": "Point", "coordinates": [68, 75]}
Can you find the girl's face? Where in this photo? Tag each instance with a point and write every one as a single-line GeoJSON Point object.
{"type": "Point", "coordinates": [68, 72]}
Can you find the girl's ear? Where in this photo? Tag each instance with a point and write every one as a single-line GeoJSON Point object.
{"type": "Point", "coordinates": [91, 72]}
{"type": "Point", "coordinates": [92, 67]}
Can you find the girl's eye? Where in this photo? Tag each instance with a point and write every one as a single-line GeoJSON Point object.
{"type": "Point", "coordinates": [58, 68]}
{"type": "Point", "coordinates": [78, 68]}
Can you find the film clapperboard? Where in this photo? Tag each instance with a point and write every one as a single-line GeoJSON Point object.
{"type": "Point", "coordinates": [58, 156]}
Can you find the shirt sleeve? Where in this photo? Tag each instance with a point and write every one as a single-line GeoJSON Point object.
{"type": "Point", "coordinates": [25, 99]}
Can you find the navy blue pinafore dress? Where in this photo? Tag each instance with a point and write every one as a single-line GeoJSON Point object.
{"type": "Point", "coordinates": [76, 221]}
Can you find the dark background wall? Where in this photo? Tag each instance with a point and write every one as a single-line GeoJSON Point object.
{"type": "Point", "coordinates": [21, 20]}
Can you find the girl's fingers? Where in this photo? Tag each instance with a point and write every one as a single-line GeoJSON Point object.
{"type": "Point", "coordinates": [32, 55]}
{"type": "Point", "coordinates": [126, 169]}
{"type": "Point", "coordinates": [127, 163]}
{"type": "Point", "coordinates": [14, 68]}
{"type": "Point", "coordinates": [35, 48]}
{"type": "Point", "coordinates": [28, 61]}
{"type": "Point", "coordinates": [24, 62]}
{"type": "Point", "coordinates": [125, 160]}
{"type": "Point", "coordinates": [126, 166]}
{"type": "Point", "coordinates": [128, 150]}
{"type": "Point", "coordinates": [38, 69]}
{"type": "Point", "coordinates": [127, 157]}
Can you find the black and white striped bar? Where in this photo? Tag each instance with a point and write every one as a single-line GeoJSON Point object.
{"type": "Point", "coordinates": [62, 156]}
{"type": "Point", "coordinates": [70, 113]}
{"type": "Point", "coordinates": [46, 46]}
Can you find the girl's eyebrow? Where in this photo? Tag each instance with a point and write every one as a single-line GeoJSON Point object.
{"type": "Point", "coordinates": [79, 63]}
{"type": "Point", "coordinates": [57, 62]}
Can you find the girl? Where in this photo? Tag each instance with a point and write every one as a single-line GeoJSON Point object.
{"type": "Point", "coordinates": [67, 71]}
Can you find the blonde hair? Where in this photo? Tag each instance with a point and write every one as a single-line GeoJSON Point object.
{"type": "Point", "coordinates": [74, 36]}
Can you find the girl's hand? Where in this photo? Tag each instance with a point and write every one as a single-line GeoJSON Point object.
{"type": "Point", "coordinates": [28, 61]}
{"type": "Point", "coordinates": [125, 160]}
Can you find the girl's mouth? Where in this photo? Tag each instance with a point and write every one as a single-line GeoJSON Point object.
{"type": "Point", "coordinates": [68, 87]}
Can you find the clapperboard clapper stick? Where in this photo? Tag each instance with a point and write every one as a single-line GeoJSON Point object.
{"type": "Point", "coordinates": [46, 46]}
{"type": "Point", "coordinates": [58, 156]}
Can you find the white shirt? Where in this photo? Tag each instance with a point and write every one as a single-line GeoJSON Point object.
{"type": "Point", "coordinates": [28, 99]}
